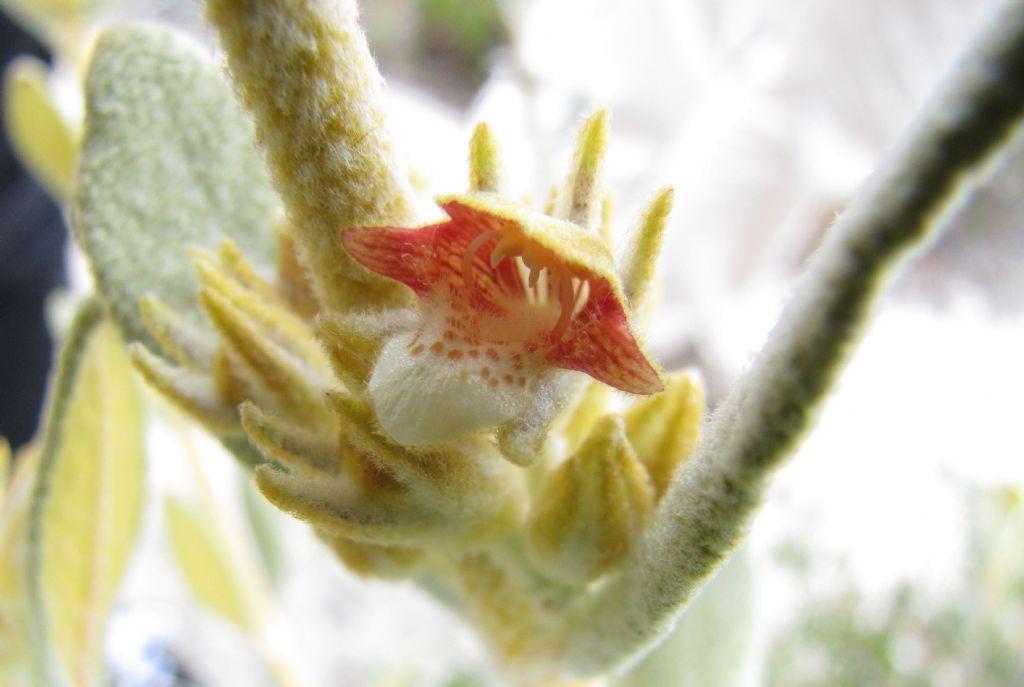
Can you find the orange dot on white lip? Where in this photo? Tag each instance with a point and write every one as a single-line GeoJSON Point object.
{"type": "Point", "coordinates": [424, 400]}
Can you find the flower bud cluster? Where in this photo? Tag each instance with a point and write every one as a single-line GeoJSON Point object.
{"type": "Point", "coordinates": [439, 424]}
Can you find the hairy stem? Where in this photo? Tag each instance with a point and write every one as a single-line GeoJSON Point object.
{"type": "Point", "coordinates": [707, 509]}
{"type": "Point", "coordinates": [305, 73]}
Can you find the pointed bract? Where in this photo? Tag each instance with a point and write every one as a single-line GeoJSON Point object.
{"type": "Point", "coordinates": [182, 340]}
{"type": "Point", "coordinates": [642, 257]}
{"type": "Point", "coordinates": [237, 268]}
{"type": "Point", "coordinates": [193, 392]}
{"type": "Point", "coordinates": [485, 166]}
{"type": "Point", "coordinates": [372, 560]}
{"type": "Point", "coordinates": [604, 230]}
{"type": "Point", "coordinates": [582, 197]}
{"type": "Point", "coordinates": [334, 507]}
{"type": "Point", "coordinates": [289, 444]}
{"type": "Point", "coordinates": [468, 479]}
{"type": "Point", "coordinates": [279, 375]}
{"type": "Point", "coordinates": [267, 313]}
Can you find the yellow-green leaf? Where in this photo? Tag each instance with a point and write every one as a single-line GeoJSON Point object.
{"type": "Point", "coordinates": [38, 132]}
{"type": "Point", "coordinates": [15, 493]}
{"type": "Point", "coordinates": [14, 503]}
{"type": "Point", "coordinates": [201, 557]}
{"type": "Point", "coordinates": [86, 505]}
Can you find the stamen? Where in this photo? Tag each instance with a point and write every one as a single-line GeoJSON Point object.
{"type": "Point", "coordinates": [547, 284]}
{"type": "Point", "coordinates": [582, 297]}
{"type": "Point", "coordinates": [467, 257]}
{"type": "Point", "coordinates": [524, 277]}
{"type": "Point", "coordinates": [545, 280]}
{"type": "Point", "coordinates": [506, 247]}
{"type": "Point", "coordinates": [529, 258]}
{"type": "Point", "coordinates": [535, 273]}
{"type": "Point", "coordinates": [567, 300]}
{"type": "Point", "coordinates": [467, 262]}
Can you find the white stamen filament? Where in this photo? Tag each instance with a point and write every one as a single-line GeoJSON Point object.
{"type": "Point", "coordinates": [524, 277]}
{"type": "Point", "coordinates": [467, 262]}
{"type": "Point", "coordinates": [567, 300]}
{"type": "Point", "coordinates": [581, 297]}
{"type": "Point", "coordinates": [506, 247]}
{"type": "Point", "coordinates": [535, 273]}
{"type": "Point", "coordinates": [543, 282]}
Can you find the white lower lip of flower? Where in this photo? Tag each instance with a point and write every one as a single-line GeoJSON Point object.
{"type": "Point", "coordinates": [422, 396]}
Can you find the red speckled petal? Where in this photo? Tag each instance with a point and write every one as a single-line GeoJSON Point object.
{"type": "Point", "coordinates": [426, 258]}
{"type": "Point", "coordinates": [405, 255]}
{"type": "Point", "coordinates": [599, 343]}
{"type": "Point", "coordinates": [452, 260]}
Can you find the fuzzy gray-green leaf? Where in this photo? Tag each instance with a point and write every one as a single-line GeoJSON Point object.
{"type": "Point", "coordinates": [167, 162]}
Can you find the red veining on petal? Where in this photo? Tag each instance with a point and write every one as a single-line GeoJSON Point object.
{"type": "Point", "coordinates": [485, 284]}
{"type": "Point", "coordinates": [405, 255]}
{"type": "Point", "coordinates": [602, 346]}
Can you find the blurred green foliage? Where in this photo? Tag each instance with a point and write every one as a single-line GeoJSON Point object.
{"type": "Point", "coordinates": [466, 29]}
{"type": "Point", "coordinates": [445, 45]}
{"type": "Point", "coordinates": [972, 638]}
{"type": "Point", "coordinates": [466, 680]}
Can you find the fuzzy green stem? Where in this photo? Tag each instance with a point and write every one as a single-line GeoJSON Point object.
{"type": "Point", "coordinates": [707, 509]}
{"type": "Point", "coordinates": [305, 73]}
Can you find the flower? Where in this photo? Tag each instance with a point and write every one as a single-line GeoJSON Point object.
{"type": "Point", "coordinates": [506, 295]}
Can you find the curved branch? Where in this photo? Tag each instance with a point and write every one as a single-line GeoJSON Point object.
{"type": "Point", "coordinates": [707, 510]}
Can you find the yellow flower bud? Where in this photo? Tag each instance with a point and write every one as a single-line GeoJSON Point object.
{"type": "Point", "coordinates": [664, 429]}
{"type": "Point", "coordinates": [592, 508]}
